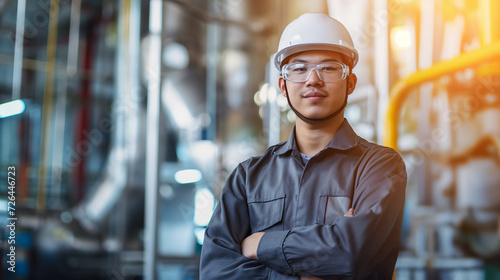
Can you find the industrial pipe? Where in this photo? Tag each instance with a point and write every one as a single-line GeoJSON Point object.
{"type": "Point", "coordinates": [47, 104]}
{"type": "Point", "coordinates": [401, 90]}
{"type": "Point", "coordinates": [18, 50]}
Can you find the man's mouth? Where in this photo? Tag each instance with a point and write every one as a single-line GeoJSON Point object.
{"type": "Point", "coordinates": [315, 95]}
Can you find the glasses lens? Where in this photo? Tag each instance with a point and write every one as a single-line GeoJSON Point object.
{"type": "Point", "coordinates": [297, 72]}
{"type": "Point", "coordinates": [328, 72]}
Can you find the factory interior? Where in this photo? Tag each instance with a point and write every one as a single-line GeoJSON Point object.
{"type": "Point", "coordinates": [122, 120]}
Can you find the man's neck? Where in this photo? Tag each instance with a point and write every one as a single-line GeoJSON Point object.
{"type": "Point", "coordinates": [312, 138]}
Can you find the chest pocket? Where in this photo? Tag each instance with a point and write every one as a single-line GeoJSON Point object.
{"type": "Point", "coordinates": [331, 207]}
{"type": "Point", "coordinates": [265, 213]}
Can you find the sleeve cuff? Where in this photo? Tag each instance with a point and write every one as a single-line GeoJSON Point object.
{"type": "Point", "coordinates": [270, 251]}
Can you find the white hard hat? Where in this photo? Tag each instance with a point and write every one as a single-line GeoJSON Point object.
{"type": "Point", "coordinates": [315, 31]}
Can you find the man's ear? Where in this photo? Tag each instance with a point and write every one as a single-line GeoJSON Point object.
{"type": "Point", "coordinates": [351, 82]}
{"type": "Point", "coordinates": [281, 84]}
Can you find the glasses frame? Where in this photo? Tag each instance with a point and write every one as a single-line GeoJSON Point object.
{"type": "Point", "coordinates": [317, 67]}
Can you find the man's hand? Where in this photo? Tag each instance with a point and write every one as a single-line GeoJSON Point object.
{"type": "Point", "coordinates": [250, 244]}
{"type": "Point", "coordinates": [349, 213]}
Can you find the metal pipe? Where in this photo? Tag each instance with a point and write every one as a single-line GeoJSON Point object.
{"type": "Point", "coordinates": [134, 41]}
{"type": "Point", "coordinates": [26, 63]}
{"type": "Point", "coordinates": [74, 38]}
{"type": "Point", "coordinates": [47, 103]}
{"type": "Point", "coordinates": [18, 50]}
{"type": "Point", "coordinates": [381, 73]}
{"type": "Point", "coordinates": [60, 72]}
{"type": "Point", "coordinates": [152, 140]}
{"type": "Point", "coordinates": [83, 115]}
{"type": "Point", "coordinates": [71, 68]}
{"type": "Point", "coordinates": [95, 208]}
{"type": "Point", "coordinates": [401, 90]}
{"type": "Point", "coordinates": [212, 52]}
{"type": "Point", "coordinates": [425, 58]}
{"type": "Point", "coordinates": [126, 155]}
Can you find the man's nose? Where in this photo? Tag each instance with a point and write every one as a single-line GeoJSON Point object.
{"type": "Point", "coordinates": [314, 77]}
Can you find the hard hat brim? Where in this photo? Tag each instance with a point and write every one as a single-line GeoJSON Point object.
{"type": "Point", "coordinates": [280, 56]}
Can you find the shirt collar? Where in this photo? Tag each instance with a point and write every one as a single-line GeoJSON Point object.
{"type": "Point", "coordinates": [344, 139]}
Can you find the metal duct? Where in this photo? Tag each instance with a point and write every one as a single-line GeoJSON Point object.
{"type": "Point", "coordinates": [126, 158]}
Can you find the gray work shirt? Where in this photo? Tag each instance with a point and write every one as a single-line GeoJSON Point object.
{"type": "Point", "coordinates": [300, 208]}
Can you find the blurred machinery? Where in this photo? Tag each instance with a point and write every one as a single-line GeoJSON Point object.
{"type": "Point", "coordinates": [443, 117]}
{"type": "Point", "coordinates": [133, 113]}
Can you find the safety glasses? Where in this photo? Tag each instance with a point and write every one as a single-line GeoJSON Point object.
{"type": "Point", "coordinates": [328, 72]}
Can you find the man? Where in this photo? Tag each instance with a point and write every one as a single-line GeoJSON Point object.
{"type": "Point", "coordinates": [326, 204]}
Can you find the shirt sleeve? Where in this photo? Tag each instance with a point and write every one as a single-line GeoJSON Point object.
{"type": "Point", "coordinates": [221, 256]}
{"type": "Point", "coordinates": [353, 247]}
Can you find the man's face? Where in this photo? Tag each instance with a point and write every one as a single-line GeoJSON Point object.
{"type": "Point", "coordinates": [314, 98]}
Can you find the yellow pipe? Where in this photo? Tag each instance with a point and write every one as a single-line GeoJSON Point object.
{"type": "Point", "coordinates": [489, 21]}
{"type": "Point", "coordinates": [495, 20]}
{"type": "Point", "coordinates": [401, 89]}
{"type": "Point", "coordinates": [47, 104]}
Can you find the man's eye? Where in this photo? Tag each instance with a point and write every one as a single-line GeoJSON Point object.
{"type": "Point", "coordinates": [330, 68]}
{"type": "Point", "coordinates": [300, 69]}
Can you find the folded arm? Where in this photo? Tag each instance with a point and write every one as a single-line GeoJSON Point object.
{"type": "Point", "coordinates": [221, 256]}
{"type": "Point", "coordinates": [351, 246]}
{"type": "Point", "coordinates": [251, 243]}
